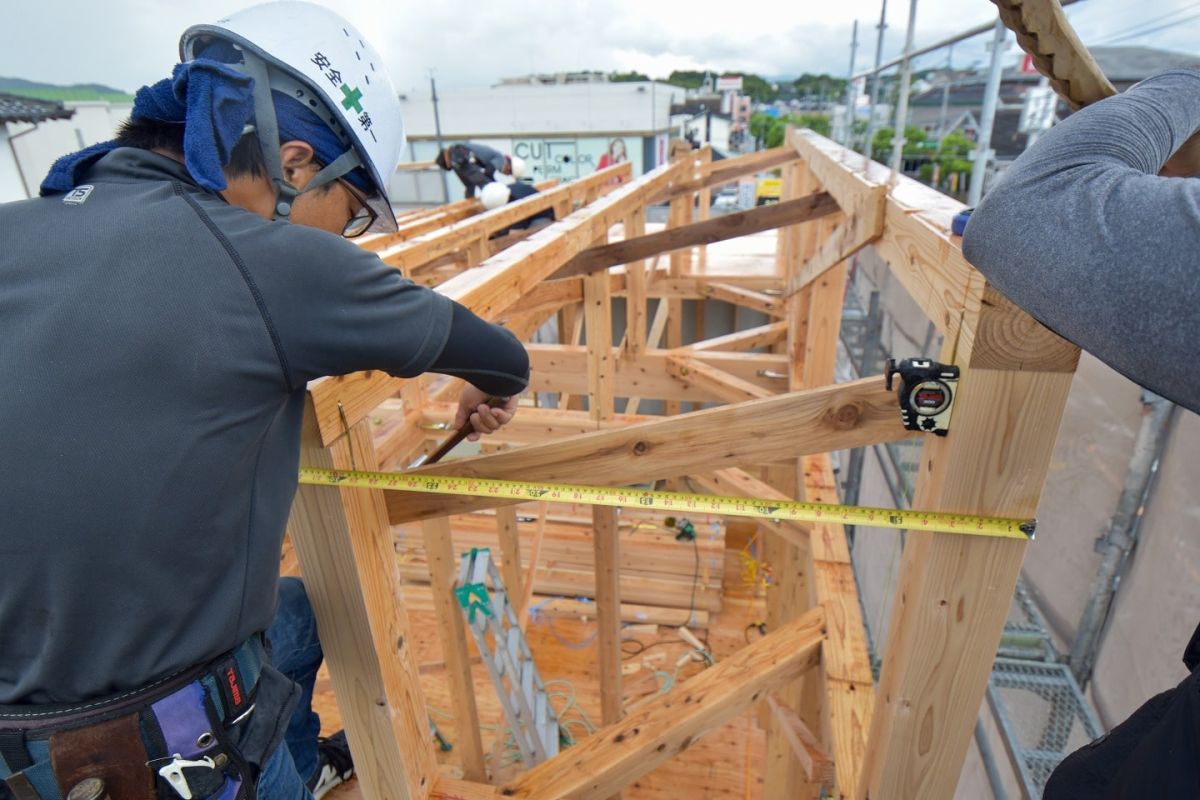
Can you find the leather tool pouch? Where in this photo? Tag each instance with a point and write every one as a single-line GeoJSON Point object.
{"type": "Point", "coordinates": [84, 753]}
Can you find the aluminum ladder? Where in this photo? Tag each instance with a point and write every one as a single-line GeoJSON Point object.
{"type": "Point", "coordinates": [493, 622]}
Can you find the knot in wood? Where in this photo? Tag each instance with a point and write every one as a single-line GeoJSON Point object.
{"type": "Point", "coordinates": [845, 417]}
{"type": "Point", "coordinates": [640, 448]}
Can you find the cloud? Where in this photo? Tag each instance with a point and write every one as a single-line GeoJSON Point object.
{"type": "Point", "coordinates": [126, 43]}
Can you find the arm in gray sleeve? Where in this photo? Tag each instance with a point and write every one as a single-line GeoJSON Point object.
{"type": "Point", "coordinates": [1084, 235]}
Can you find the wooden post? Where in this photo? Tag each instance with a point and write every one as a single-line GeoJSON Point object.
{"type": "Point", "coordinates": [954, 592]}
{"type": "Point", "coordinates": [443, 568]}
{"type": "Point", "coordinates": [510, 549]}
{"type": "Point", "coordinates": [344, 544]}
{"type": "Point", "coordinates": [597, 305]}
{"type": "Point", "coordinates": [705, 203]}
{"type": "Point", "coordinates": [791, 592]}
{"type": "Point", "coordinates": [608, 611]}
{"type": "Point", "coordinates": [635, 297]}
{"type": "Point", "coordinates": [680, 260]}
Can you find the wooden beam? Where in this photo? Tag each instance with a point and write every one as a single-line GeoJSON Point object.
{"type": "Point", "coordinates": [433, 245]}
{"type": "Point", "coordinates": [616, 755]}
{"type": "Point", "coordinates": [736, 482]}
{"type": "Point", "coordinates": [728, 388]}
{"type": "Point", "coordinates": [728, 226]}
{"type": "Point", "coordinates": [564, 368]}
{"type": "Point", "coordinates": [349, 565]}
{"type": "Point", "coordinates": [816, 421]}
{"type": "Point", "coordinates": [608, 612]}
{"type": "Point", "coordinates": [443, 569]}
{"type": "Point", "coordinates": [454, 789]}
{"type": "Point", "coordinates": [749, 339]}
{"type": "Point", "coordinates": [818, 766]}
{"type": "Point", "coordinates": [718, 173]}
{"type": "Point", "coordinates": [536, 425]}
{"type": "Point", "coordinates": [630, 612]}
{"type": "Point", "coordinates": [713, 290]}
{"type": "Point", "coordinates": [861, 199]}
{"type": "Point", "coordinates": [489, 290]}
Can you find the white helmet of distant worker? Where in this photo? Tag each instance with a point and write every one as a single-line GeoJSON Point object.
{"type": "Point", "coordinates": [516, 166]}
{"type": "Point", "coordinates": [314, 56]}
{"type": "Point", "coordinates": [494, 195]}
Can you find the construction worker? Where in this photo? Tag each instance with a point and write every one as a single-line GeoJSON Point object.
{"type": "Point", "coordinates": [476, 164]}
{"type": "Point", "coordinates": [1094, 231]}
{"type": "Point", "coordinates": [163, 306]}
{"type": "Point", "coordinates": [1088, 234]}
{"type": "Point", "coordinates": [496, 194]}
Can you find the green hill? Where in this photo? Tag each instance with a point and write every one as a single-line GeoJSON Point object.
{"type": "Point", "coordinates": [49, 91]}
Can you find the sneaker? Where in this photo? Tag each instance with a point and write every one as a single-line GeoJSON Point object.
{"type": "Point", "coordinates": [334, 765]}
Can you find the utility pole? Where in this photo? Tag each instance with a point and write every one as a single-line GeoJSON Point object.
{"type": "Point", "coordinates": [991, 95]}
{"type": "Point", "coordinates": [437, 130]}
{"type": "Point", "coordinates": [882, 26]}
{"type": "Point", "coordinates": [849, 129]}
{"type": "Point", "coordinates": [905, 81]}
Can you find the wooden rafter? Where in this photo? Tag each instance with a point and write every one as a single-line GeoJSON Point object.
{"type": "Point", "coordinates": [819, 420]}
{"type": "Point", "coordinates": [729, 226]}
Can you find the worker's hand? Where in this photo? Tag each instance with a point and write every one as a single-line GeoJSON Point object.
{"type": "Point", "coordinates": [1185, 163]}
{"type": "Point", "coordinates": [473, 404]}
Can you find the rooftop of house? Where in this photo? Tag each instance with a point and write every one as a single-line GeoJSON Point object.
{"type": "Point", "coordinates": [15, 108]}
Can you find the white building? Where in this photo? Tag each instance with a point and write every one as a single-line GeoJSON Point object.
{"type": "Point", "coordinates": [561, 130]}
{"type": "Point", "coordinates": [31, 141]}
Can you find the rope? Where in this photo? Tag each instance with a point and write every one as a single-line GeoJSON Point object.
{"type": "Point", "coordinates": [1045, 34]}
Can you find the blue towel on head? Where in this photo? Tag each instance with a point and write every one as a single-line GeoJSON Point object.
{"type": "Point", "coordinates": [214, 102]}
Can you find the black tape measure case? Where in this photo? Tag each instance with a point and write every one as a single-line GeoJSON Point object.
{"type": "Point", "coordinates": [926, 393]}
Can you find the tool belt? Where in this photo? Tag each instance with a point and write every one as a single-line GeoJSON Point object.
{"type": "Point", "coordinates": [172, 740]}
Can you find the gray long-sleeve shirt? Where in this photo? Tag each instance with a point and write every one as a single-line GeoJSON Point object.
{"type": "Point", "coordinates": [1083, 234]}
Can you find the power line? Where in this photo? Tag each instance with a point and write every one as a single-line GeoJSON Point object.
{"type": "Point", "coordinates": [1135, 29]}
{"type": "Point", "coordinates": [1136, 34]}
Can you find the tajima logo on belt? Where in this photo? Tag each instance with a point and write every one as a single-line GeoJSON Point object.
{"type": "Point", "coordinates": [235, 689]}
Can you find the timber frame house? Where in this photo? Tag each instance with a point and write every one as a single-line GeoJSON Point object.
{"type": "Point", "coordinates": [828, 724]}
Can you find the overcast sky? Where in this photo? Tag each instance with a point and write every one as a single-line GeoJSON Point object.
{"type": "Point", "coordinates": [127, 43]}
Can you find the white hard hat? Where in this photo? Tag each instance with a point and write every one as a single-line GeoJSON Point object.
{"type": "Point", "coordinates": [518, 166]}
{"type": "Point", "coordinates": [313, 55]}
{"type": "Point", "coordinates": [494, 195]}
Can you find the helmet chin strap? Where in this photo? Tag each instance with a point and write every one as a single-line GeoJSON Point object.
{"type": "Point", "coordinates": [268, 139]}
{"type": "Point", "coordinates": [268, 134]}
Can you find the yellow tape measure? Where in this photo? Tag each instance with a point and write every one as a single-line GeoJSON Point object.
{"type": "Point", "coordinates": [675, 502]}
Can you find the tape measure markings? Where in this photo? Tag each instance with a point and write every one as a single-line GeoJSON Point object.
{"type": "Point", "coordinates": [903, 519]}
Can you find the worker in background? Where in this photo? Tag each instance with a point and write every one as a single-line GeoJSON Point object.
{"type": "Point", "coordinates": [496, 194]}
{"type": "Point", "coordinates": [476, 165]}
{"type": "Point", "coordinates": [1095, 231]}
{"type": "Point", "coordinates": [163, 306]}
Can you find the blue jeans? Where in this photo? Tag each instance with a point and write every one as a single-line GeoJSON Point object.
{"type": "Point", "coordinates": [280, 780]}
{"type": "Point", "coordinates": [296, 652]}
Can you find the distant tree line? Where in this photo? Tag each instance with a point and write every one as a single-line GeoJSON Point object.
{"type": "Point", "coordinates": [757, 87]}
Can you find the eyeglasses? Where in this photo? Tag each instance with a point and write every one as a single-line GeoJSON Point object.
{"type": "Point", "coordinates": [363, 219]}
